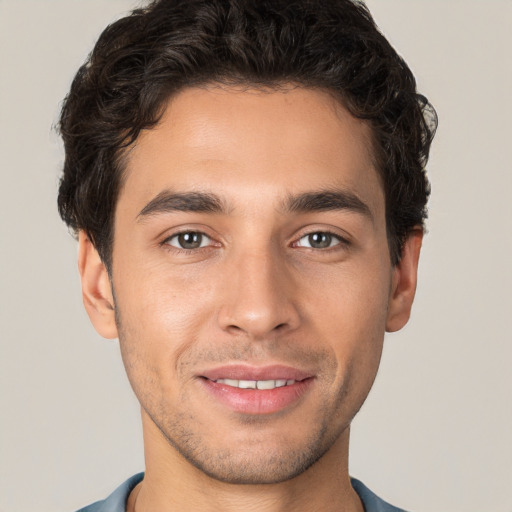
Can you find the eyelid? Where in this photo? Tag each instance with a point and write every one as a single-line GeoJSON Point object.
{"type": "Point", "coordinates": [174, 234]}
{"type": "Point", "coordinates": [342, 240]}
{"type": "Point", "coordinates": [212, 242]}
{"type": "Point", "coordinates": [204, 238]}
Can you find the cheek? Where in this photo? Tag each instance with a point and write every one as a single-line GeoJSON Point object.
{"type": "Point", "coordinates": [350, 315]}
{"type": "Point", "coordinates": [352, 298]}
{"type": "Point", "coordinates": [160, 315]}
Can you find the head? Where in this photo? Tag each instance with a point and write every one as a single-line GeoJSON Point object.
{"type": "Point", "coordinates": [144, 59]}
{"type": "Point", "coordinates": [248, 182]}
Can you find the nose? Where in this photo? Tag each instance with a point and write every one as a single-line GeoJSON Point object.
{"type": "Point", "coordinates": [258, 297]}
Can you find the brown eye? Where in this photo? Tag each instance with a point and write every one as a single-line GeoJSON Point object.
{"type": "Point", "coordinates": [189, 240]}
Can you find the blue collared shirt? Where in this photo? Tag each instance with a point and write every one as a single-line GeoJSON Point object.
{"type": "Point", "coordinates": [116, 502]}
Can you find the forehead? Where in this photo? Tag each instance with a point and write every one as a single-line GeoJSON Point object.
{"type": "Point", "coordinates": [246, 143]}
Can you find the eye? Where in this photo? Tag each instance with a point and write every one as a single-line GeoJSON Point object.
{"type": "Point", "coordinates": [319, 240]}
{"type": "Point", "coordinates": [189, 240]}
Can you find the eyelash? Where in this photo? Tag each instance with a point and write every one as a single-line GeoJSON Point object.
{"type": "Point", "coordinates": [341, 241]}
{"type": "Point", "coordinates": [166, 243]}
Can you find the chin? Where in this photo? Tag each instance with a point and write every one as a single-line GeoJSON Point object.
{"type": "Point", "coordinates": [258, 469]}
{"type": "Point", "coordinates": [262, 459]}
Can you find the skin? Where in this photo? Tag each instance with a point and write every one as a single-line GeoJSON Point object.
{"type": "Point", "coordinates": [255, 292]}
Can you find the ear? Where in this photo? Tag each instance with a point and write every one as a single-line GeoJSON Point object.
{"type": "Point", "coordinates": [96, 288]}
{"type": "Point", "coordinates": [404, 281]}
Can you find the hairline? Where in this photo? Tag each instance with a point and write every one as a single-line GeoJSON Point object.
{"type": "Point", "coordinates": [243, 84]}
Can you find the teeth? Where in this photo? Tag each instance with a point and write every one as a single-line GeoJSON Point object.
{"type": "Point", "coordinates": [266, 384]}
{"type": "Point", "coordinates": [247, 384]}
{"type": "Point", "coordinates": [256, 384]}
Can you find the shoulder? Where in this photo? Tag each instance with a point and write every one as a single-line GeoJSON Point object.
{"type": "Point", "coordinates": [371, 502]}
{"type": "Point", "coordinates": [116, 502]}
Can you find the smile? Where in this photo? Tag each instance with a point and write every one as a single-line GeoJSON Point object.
{"type": "Point", "coordinates": [256, 384]}
{"type": "Point", "coordinates": [257, 390]}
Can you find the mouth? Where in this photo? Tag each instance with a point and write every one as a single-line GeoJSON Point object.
{"type": "Point", "coordinates": [257, 390]}
{"type": "Point", "coordinates": [256, 384]}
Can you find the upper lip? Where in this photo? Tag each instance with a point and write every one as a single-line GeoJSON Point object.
{"type": "Point", "coordinates": [248, 372]}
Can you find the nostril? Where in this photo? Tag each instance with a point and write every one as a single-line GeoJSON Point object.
{"type": "Point", "coordinates": [257, 317]}
{"type": "Point", "coordinates": [234, 328]}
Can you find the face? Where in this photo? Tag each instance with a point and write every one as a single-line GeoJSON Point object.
{"type": "Point", "coordinates": [252, 279]}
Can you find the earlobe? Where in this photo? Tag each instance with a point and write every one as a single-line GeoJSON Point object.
{"type": "Point", "coordinates": [96, 288]}
{"type": "Point", "coordinates": [404, 282]}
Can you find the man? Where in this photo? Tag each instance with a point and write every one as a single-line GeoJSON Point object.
{"type": "Point", "coordinates": [247, 182]}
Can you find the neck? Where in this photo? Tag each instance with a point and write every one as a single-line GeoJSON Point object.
{"type": "Point", "coordinates": [173, 484]}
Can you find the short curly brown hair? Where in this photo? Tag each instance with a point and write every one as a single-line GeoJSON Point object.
{"type": "Point", "coordinates": [143, 59]}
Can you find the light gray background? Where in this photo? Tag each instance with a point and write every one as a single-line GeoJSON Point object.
{"type": "Point", "coordinates": [435, 434]}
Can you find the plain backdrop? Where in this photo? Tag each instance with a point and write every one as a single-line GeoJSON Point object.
{"type": "Point", "coordinates": [436, 432]}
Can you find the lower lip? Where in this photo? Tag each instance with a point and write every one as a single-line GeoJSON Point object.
{"type": "Point", "coordinates": [254, 401]}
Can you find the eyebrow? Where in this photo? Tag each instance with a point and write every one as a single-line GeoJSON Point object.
{"type": "Point", "coordinates": [168, 201]}
{"type": "Point", "coordinates": [327, 200]}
